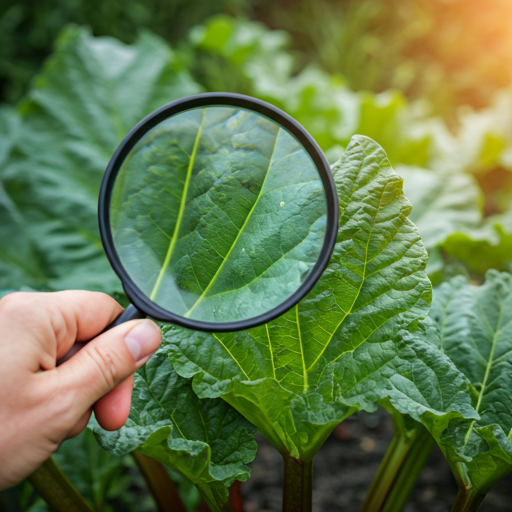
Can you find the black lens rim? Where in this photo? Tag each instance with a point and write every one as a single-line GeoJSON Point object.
{"type": "Point", "coordinates": [134, 294]}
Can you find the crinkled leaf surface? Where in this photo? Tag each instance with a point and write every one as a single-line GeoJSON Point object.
{"type": "Point", "coordinates": [354, 340]}
{"type": "Point", "coordinates": [218, 214]}
{"type": "Point", "coordinates": [91, 92]}
{"type": "Point", "coordinates": [476, 332]}
{"type": "Point", "coordinates": [206, 440]}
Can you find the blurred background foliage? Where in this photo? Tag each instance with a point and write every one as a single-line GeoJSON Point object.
{"type": "Point", "coordinates": [449, 52]}
{"type": "Point", "coordinates": [430, 80]}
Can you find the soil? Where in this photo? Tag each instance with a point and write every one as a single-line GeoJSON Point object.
{"type": "Point", "coordinates": [344, 469]}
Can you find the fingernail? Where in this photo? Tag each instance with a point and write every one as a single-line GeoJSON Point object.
{"type": "Point", "coordinates": [143, 339]}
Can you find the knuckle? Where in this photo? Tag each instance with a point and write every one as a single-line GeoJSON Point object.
{"type": "Point", "coordinates": [107, 364]}
{"type": "Point", "coordinates": [23, 303]}
{"type": "Point", "coordinates": [13, 301]}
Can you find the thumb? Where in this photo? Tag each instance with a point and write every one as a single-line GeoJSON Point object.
{"type": "Point", "coordinates": [108, 360]}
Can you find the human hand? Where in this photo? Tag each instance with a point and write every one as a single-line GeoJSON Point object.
{"type": "Point", "coordinates": [41, 404]}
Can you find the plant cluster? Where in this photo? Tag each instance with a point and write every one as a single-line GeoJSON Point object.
{"type": "Point", "coordinates": [372, 332]}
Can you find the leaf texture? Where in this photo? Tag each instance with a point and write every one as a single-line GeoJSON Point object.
{"type": "Point", "coordinates": [354, 340]}
{"type": "Point", "coordinates": [475, 324]}
{"type": "Point", "coordinates": [205, 440]}
{"type": "Point", "coordinates": [218, 214]}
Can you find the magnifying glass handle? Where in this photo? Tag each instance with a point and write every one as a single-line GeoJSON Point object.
{"type": "Point", "coordinates": [130, 313]}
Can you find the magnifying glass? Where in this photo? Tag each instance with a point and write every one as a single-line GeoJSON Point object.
{"type": "Point", "coordinates": [218, 212]}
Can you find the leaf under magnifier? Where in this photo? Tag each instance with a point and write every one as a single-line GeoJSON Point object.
{"type": "Point", "coordinates": [218, 214]}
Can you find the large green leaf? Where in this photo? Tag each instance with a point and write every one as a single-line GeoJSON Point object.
{"type": "Point", "coordinates": [354, 340]}
{"type": "Point", "coordinates": [88, 96]}
{"type": "Point", "coordinates": [9, 128]}
{"type": "Point", "coordinates": [205, 440]}
{"type": "Point", "coordinates": [19, 263]}
{"type": "Point", "coordinates": [218, 214]}
{"type": "Point", "coordinates": [475, 326]}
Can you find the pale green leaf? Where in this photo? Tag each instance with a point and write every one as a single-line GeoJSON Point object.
{"type": "Point", "coordinates": [443, 204]}
{"type": "Point", "coordinates": [488, 246]}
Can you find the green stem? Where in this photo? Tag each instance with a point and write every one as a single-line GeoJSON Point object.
{"type": "Point", "coordinates": [159, 482]}
{"type": "Point", "coordinates": [399, 470]}
{"type": "Point", "coordinates": [387, 472]}
{"type": "Point", "coordinates": [58, 492]}
{"type": "Point", "coordinates": [467, 500]}
{"type": "Point", "coordinates": [297, 485]}
{"type": "Point", "coordinates": [409, 473]}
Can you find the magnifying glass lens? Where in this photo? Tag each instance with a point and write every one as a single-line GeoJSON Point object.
{"type": "Point", "coordinates": [218, 214]}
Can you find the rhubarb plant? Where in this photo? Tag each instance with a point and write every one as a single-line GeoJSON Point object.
{"type": "Point", "coordinates": [475, 329]}
{"type": "Point", "coordinates": [359, 339]}
{"type": "Point", "coordinates": [401, 466]}
{"type": "Point", "coordinates": [472, 325]}
{"type": "Point", "coordinates": [205, 440]}
{"type": "Point", "coordinates": [356, 339]}
{"type": "Point", "coordinates": [54, 150]}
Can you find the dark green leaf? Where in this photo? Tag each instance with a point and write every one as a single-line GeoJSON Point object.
{"type": "Point", "coordinates": [354, 340]}
{"type": "Point", "coordinates": [205, 440]}
{"type": "Point", "coordinates": [218, 214]}
{"type": "Point", "coordinates": [476, 333]}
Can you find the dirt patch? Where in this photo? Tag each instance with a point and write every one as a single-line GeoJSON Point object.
{"type": "Point", "coordinates": [344, 469]}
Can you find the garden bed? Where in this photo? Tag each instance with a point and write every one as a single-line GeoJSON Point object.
{"type": "Point", "coordinates": [345, 467]}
